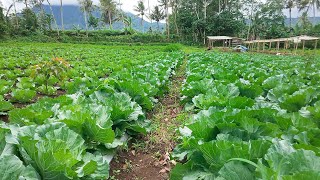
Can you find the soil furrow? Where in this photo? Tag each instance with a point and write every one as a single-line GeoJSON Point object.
{"type": "Point", "coordinates": [148, 157]}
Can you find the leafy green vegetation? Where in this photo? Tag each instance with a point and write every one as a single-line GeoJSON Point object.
{"type": "Point", "coordinates": [75, 135]}
{"type": "Point", "coordinates": [255, 116]}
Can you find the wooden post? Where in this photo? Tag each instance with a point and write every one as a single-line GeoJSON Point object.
{"type": "Point", "coordinates": [263, 44]}
{"type": "Point", "coordinates": [315, 44]}
{"type": "Point", "coordinates": [270, 45]}
{"type": "Point", "coordinates": [286, 45]}
{"type": "Point", "coordinates": [303, 44]}
{"type": "Point", "coordinates": [258, 47]}
{"type": "Point", "coordinates": [278, 45]}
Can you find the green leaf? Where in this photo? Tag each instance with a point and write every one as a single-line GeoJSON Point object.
{"type": "Point", "coordinates": [11, 167]}
{"type": "Point", "coordinates": [23, 95]}
{"type": "Point", "coordinates": [189, 172]}
{"type": "Point", "coordinates": [5, 106]}
{"type": "Point", "coordinates": [236, 170]}
{"type": "Point", "coordinates": [98, 133]}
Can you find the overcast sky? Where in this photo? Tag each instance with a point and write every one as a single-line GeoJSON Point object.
{"type": "Point", "coordinates": [128, 5]}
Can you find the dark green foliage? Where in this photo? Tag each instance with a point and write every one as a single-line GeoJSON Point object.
{"type": "Point", "coordinates": [172, 48]}
{"type": "Point", "coordinates": [226, 23]}
{"type": "Point", "coordinates": [93, 22]}
{"type": "Point", "coordinates": [3, 26]}
{"type": "Point", "coordinates": [29, 21]}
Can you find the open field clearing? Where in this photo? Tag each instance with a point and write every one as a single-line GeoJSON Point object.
{"type": "Point", "coordinates": [156, 112]}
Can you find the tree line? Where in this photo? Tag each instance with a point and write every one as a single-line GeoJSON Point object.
{"type": "Point", "coordinates": [189, 20]}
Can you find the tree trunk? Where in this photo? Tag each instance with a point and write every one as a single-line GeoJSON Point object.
{"type": "Point", "coordinates": [314, 12]}
{"type": "Point", "coordinates": [61, 15]}
{"type": "Point", "coordinates": [158, 26]}
{"type": "Point", "coordinates": [205, 20]}
{"type": "Point", "coordinates": [15, 12]}
{"type": "Point", "coordinates": [167, 20]}
{"type": "Point", "coordinates": [54, 19]}
{"type": "Point", "coordinates": [290, 14]}
{"type": "Point", "coordinates": [149, 10]}
{"type": "Point", "coordinates": [26, 3]}
{"type": "Point", "coordinates": [251, 21]}
{"type": "Point", "coordinates": [142, 24]}
{"type": "Point", "coordinates": [175, 21]}
{"type": "Point", "coordinates": [86, 22]}
{"type": "Point", "coordinates": [110, 20]}
{"type": "Point", "coordinates": [7, 13]}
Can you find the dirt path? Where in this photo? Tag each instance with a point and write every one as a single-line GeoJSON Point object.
{"type": "Point", "coordinates": [147, 158]}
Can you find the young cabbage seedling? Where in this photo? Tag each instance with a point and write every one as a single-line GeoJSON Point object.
{"type": "Point", "coordinates": [56, 67]}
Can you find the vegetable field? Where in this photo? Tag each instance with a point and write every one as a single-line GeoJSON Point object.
{"type": "Point", "coordinates": [69, 109]}
{"type": "Point", "coordinates": [256, 117]}
{"type": "Point", "coordinates": [107, 91]}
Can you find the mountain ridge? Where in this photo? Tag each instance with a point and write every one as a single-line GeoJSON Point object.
{"type": "Point", "coordinates": [74, 18]}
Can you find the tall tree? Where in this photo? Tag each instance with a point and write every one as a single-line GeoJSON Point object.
{"type": "Point", "coordinates": [61, 15]}
{"type": "Point", "coordinates": [149, 9]}
{"type": "Point", "coordinates": [304, 26]}
{"type": "Point", "coordinates": [109, 11]}
{"type": "Point", "coordinates": [86, 7]}
{"type": "Point", "coordinates": [165, 4]}
{"type": "Point", "coordinates": [175, 6]}
{"type": "Point", "coordinates": [290, 4]}
{"type": "Point", "coordinates": [307, 4]}
{"type": "Point", "coordinates": [3, 26]}
{"type": "Point", "coordinates": [157, 15]}
{"type": "Point", "coordinates": [54, 19]}
{"type": "Point", "coordinates": [206, 3]}
{"type": "Point", "coordinates": [15, 12]}
{"type": "Point", "coordinates": [140, 9]}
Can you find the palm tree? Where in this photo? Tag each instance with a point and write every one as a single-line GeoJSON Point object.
{"type": "Point", "coordinates": [128, 23]}
{"type": "Point", "coordinates": [290, 4]}
{"type": "Point", "coordinates": [86, 7]}
{"type": "Point", "coordinates": [61, 15]}
{"type": "Point", "coordinates": [157, 15]}
{"type": "Point", "coordinates": [306, 4]}
{"type": "Point", "coordinates": [165, 4]}
{"type": "Point", "coordinates": [109, 11]}
{"type": "Point", "coordinates": [140, 8]}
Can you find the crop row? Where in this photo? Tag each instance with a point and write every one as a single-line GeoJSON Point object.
{"type": "Point", "coordinates": [74, 136]}
{"type": "Point", "coordinates": [256, 117]}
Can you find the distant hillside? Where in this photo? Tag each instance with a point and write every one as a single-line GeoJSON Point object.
{"type": "Point", "coordinates": [73, 16]}
{"type": "Point", "coordinates": [314, 21]}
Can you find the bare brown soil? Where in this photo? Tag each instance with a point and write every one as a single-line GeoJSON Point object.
{"type": "Point", "coordinates": [148, 158]}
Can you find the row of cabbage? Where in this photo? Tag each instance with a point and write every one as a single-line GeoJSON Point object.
{"type": "Point", "coordinates": [75, 136]}
{"type": "Point", "coordinates": [25, 72]}
{"type": "Point", "coordinates": [256, 117]}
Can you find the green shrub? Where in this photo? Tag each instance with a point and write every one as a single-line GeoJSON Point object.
{"type": "Point", "coordinates": [172, 47]}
